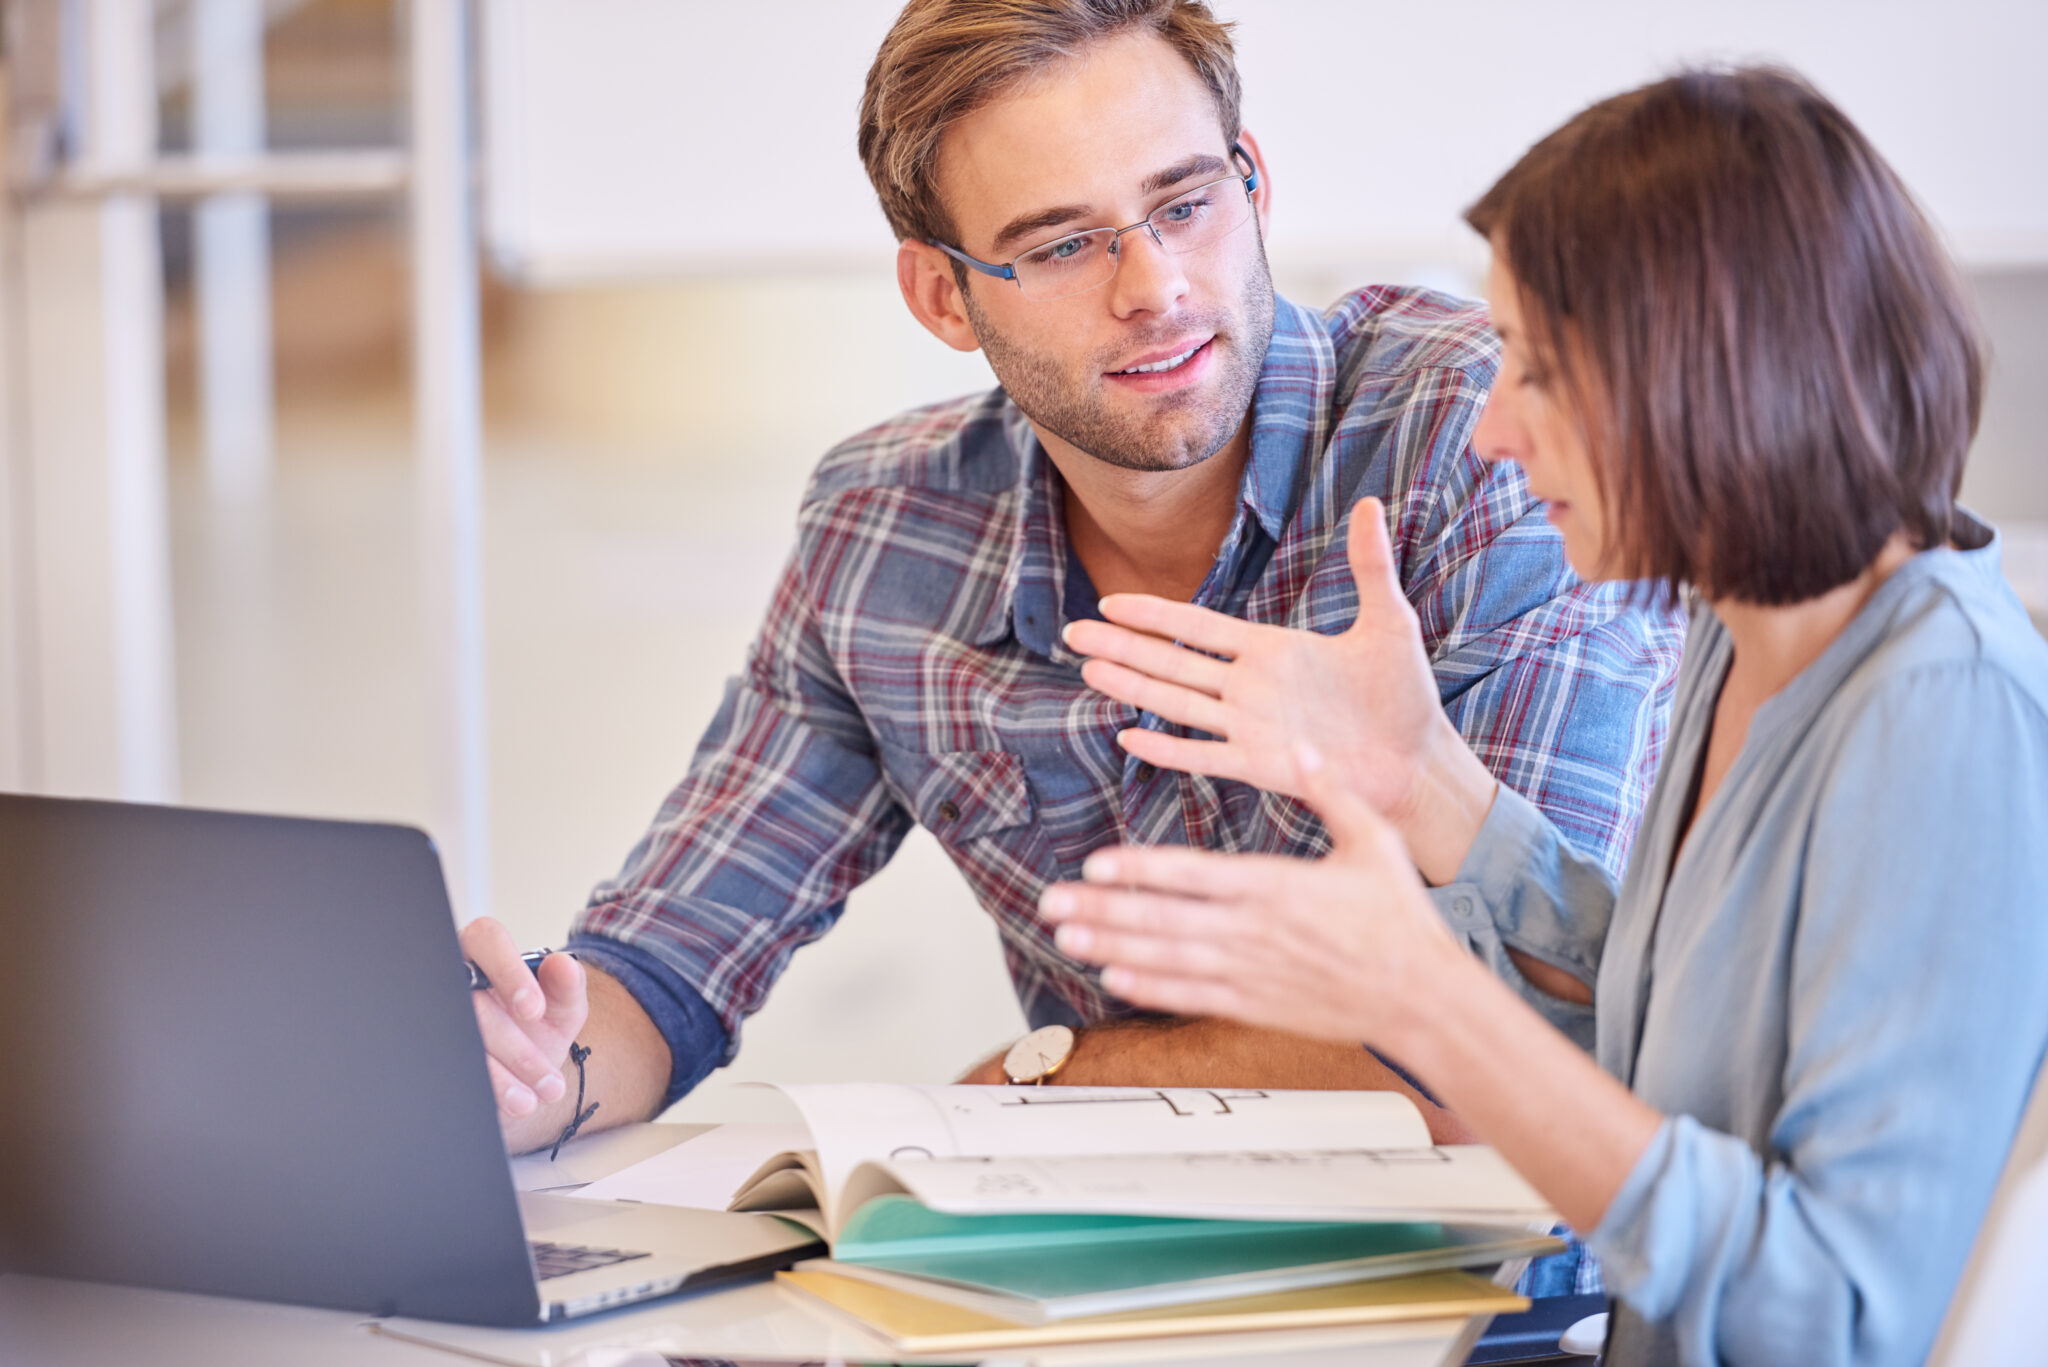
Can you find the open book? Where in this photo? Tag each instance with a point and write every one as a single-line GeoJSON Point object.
{"type": "Point", "coordinates": [1038, 1204]}
{"type": "Point", "coordinates": [1217, 1154]}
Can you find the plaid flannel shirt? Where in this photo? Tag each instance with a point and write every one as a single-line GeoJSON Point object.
{"type": "Point", "coordinates": [910, 669]}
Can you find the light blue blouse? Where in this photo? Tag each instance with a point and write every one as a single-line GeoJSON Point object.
{"type": "Point", "coordinates": [1838, 995]}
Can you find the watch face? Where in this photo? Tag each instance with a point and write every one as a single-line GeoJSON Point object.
{"type": "Point", "coordinates": [1039, 1053]}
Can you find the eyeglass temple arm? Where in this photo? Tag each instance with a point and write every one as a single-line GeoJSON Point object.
{"type": "Point", "coordinates": [986, 268]}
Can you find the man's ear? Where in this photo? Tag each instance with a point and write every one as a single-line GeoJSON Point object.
{"type": "Point", "coordinates": [1262, 198]}
{"type": "Point", "coordinates": [925, 275]}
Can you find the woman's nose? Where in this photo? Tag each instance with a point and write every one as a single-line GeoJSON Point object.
{"type": "Point", "coordinates": [1496, 435]}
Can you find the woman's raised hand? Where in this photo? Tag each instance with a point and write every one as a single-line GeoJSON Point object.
{"type": "Point", "coordinates": [1366, 700]}
{"type": "Point", "coordinates": [1348, 947]}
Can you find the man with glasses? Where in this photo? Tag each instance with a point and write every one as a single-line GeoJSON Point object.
{"type": "Point", "coordinates": [1164, 426]}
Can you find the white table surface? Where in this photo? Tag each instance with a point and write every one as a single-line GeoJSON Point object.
{"type": "Point", "coordinates": [50, 1323]}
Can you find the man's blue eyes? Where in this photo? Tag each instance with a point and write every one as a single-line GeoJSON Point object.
{"type": "Point", "coordinates": [1174, 215]}
{"type": "Point", "coordinates": [1061, 252]}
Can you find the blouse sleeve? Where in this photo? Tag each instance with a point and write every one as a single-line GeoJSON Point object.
{"type": "Point", "coordinates": [1523, 885]}
{"type": "Point", "coordinates": [1916, 1024]}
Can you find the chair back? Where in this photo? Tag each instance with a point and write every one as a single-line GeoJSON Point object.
{"type": "Point", "coordinates": [1999, 1313]}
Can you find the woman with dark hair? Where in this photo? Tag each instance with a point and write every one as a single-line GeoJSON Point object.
{"type": "Point", "coordinates": [1736, 365]}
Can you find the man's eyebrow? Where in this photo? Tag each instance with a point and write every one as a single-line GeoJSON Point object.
{"type": "Point", "coordinates": [1028, 225]}
{"type": "Point", "coordinates": [1200, 165]}
{"type": "Point", "coordinates": [1031, 224]}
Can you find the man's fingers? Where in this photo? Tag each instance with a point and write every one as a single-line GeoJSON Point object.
{"type": "Point", "coordinates": [567, 986]}
{"type": "Point", "coordinates": [1153, 655]}
{"type": "Point", "coordinates": [515, 1098]}
{"type": "Point", "coordinates": [1148, 694]}
{"type": "Point", "coordinates": [1372, 562]}
{"type": "Point", "coordinates": [1201, 628]}
{"type": "Point", "coordinates": [515, 1052]}
{"type": "Point", "coordinates": [491, 947]}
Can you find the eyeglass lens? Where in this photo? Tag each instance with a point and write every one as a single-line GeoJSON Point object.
{"type": "Point", "coordinates": [1081, 261]}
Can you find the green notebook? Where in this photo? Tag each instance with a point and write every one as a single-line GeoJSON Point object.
{"type": "Point", "coordinates": [1038, 1269]}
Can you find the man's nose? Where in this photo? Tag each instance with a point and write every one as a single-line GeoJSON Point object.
{"type": "Point", "coordinates": [1149, 278]}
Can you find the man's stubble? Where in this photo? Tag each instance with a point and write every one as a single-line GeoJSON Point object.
{"type": "Point", "coordinates": [1038, 385]}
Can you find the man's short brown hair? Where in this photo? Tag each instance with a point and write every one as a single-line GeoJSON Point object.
{"type": "Point", "coordinates": [944, 59]}
{"type": "Point", "coordinates": [1774, 359]}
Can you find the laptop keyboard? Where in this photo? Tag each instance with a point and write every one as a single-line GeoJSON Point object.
{"type": "Point", "coordinates": [561, 1260]}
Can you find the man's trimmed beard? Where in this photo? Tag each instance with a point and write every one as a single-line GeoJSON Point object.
{"type": "Point", "coordinates": [1039, 386]}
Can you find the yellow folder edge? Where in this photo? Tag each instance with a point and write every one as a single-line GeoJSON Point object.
{"type": "Point", "coordinates": [919, 1325]}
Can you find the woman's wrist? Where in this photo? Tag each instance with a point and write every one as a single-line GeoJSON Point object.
{"type": "Point", "coordinates": [1411, 1025]}
{"type": "Point", "coordinates": [1448, 804]}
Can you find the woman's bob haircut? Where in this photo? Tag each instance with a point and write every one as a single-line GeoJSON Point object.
{"type": "Point", "coordinates": [1771, 356]}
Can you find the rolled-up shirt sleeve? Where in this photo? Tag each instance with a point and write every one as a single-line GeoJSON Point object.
{"type": "Point", "coordinates": [1523, 885]}
{"type": "Point", "coordinates": [1915, 1027]}
{"type": "Point", "coordinates": [782, 813]}
{"type": "Point", "coordinates": [697, 1040]}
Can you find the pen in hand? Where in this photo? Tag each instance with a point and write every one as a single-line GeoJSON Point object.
{"type": "Point", "coordinates": [531, 958]}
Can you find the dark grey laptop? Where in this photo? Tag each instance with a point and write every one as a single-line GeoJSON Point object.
{"type": "Point", "coordinates": [241, 1059]}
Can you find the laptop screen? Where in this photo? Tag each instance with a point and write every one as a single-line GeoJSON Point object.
{"type": "Point", "coordinates": [243, 1061]}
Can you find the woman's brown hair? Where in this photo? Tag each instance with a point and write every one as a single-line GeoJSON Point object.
{"type": "Point", "coordinates": [1773, 357]}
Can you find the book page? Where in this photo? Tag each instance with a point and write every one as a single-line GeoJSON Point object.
{"type": "Point", "coordinates": [704, 1172]}
{"type": "Point", "coordinates": [1455, 1183]}
{"type": "Point", "coordinates": [854, 1123]}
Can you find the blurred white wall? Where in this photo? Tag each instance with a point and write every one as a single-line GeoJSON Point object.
{"type": "Point", "coordinates": [628, 137]}
{"type": "Point", "coordinates": [699, 301]}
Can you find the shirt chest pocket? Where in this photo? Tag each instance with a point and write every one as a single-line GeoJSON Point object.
{"type": "Point", "coordinates": [964, 795]}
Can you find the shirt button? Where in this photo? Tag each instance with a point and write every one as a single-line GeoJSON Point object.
{"type": "Point", "coordinates": [949, 811]}
{"type": "Point", "coordinates": [1144, 772]}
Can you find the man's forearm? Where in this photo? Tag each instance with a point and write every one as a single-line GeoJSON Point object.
{"type": "Point", "coordinates": [626, 1074]}
{"type": "Point", "coordinates": [1213, 1053]}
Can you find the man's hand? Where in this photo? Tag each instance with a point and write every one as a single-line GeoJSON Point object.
{"type": "Point", "coordinates": [528, 1023]}
{"type": "Point", "coordinates": [528, 1020]}
{"type": "Point", "coordinates": [1365, 699]}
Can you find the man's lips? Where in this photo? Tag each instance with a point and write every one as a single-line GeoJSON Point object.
{"type": "Point", "coordinates": [1164, 358]}
{"type": "Point", "coordinates": [1167, 367]}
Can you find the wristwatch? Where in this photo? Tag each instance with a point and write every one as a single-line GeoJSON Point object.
{"type": "Point", "coordinates": [1033, 1060]}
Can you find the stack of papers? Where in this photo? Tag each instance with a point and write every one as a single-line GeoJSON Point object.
{"type": "Point", "coordinates": [916, 1325]}
{"type": "Point", "coordinates": [963, 1217]}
